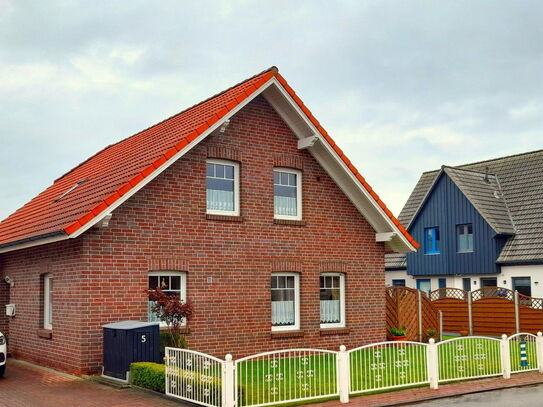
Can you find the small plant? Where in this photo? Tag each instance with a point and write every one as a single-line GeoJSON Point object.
{"type": "Point", "coordinates": [170, 309]}
{"type": "Point", "coordinates": [431, 333]}
{"type": "Point", "coordinates": [397, 332]}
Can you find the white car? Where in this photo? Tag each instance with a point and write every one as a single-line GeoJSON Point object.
{"type": "Point", "coordinates": [3, 354]}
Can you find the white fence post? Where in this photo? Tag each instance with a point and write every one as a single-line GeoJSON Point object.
{"type": "Point", "coordinates": [505, 356]}
{"type": "Point", "coordinates": [228, 385]}
{"type": "Point", "coordinates": [539, 351]}
{"type": "Point", "coordinates": [344, 374]}
{"type": "Point", "coordinates": [432, 361]}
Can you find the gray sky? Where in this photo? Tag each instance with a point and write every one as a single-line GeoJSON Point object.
{"type": "Point", "coordinates": [402, 86]}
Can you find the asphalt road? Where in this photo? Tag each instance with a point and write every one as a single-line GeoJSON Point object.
{"type": "Point", "coordinates": [517, 397]}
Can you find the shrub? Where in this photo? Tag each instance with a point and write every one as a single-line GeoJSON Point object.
{"type": "Point", "coordinates": [148, 375]}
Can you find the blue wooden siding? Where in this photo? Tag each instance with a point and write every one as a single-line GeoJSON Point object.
{"type": "Point", "coordinates": [445, 208]}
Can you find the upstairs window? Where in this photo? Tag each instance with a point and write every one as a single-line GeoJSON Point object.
{"type": "Point", "coordinates": [431, 241]}
{"type": "Point", "coordinates": [287, 186]}
{"type": "Point", "coordinates": [464, 234]}
{"type": "Point", "coordinates": [285, 300]}
{"type": "Point", "coordinates": [222, 187]}
{"type": "Point", "coordinates": [332, 305]}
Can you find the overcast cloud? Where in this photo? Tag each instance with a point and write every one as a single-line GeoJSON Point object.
{"type": "Point", "coordinates": [402, 86]}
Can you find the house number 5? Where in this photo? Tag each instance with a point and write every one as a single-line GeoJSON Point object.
{"type": "Point", "coordinates": [143, 339]}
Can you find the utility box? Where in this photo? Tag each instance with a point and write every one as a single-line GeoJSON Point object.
{"type": "Point", "coordinates": [126, 342]}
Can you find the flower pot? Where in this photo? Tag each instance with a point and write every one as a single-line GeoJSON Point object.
{"type": "Point", "coordinates": [398, 338]}
{"type": "Point", "coordinates": [464, 332]}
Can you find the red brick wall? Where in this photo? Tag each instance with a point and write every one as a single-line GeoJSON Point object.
{"type": "Point", "coordinates": [165, 223]}
{"type": "Point", "coordinates": [64, 260]}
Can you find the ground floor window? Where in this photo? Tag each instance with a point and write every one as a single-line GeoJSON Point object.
{"type": "Point", "coordinates": [332, 300]}
{"type": "Point", "coordinates": [424, 284]}
{"type": "Point", "coordinates": [523, 285]}
{"type": "Point", "coordinates": [285, 301]}
{"type": "Point", "coordinates": [171, 283]}
{"type": "Point", "coordinates": [398, 283]}
{"type": "Point", "coordinates": [48, 301]}
{"type": "Point", "coordinates": [489, 282]}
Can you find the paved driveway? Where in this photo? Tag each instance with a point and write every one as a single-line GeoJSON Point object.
{"type": "Point", "coordinates": [30, 386]}
{"type": "Point", "coordinates": [519, 397]}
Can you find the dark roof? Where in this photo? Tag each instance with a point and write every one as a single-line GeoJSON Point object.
{"type": "Point", "coordinates": [511, 203]}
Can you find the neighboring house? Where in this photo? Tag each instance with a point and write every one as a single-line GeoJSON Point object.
{"type": "Point", "coordinates": [242, 204]}
{"type": "Point", "coordinates": [479, 225]}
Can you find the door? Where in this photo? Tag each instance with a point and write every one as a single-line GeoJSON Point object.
{"type": "Point", "coordinates": [466, 284]}
{"type": "Point", "coordinates": [523, 285]}
{"type": "Point", "coordinates": [424, 284]}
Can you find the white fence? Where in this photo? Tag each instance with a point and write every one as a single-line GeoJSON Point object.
{"type": "Point", "coordinates": [293, 375]}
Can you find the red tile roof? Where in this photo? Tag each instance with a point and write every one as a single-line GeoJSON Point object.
{"type": "Point", "coordinates": [117, 169]}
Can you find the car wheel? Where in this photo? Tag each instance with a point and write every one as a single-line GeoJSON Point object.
{"type": "Point", "coordinates": [2, 370]}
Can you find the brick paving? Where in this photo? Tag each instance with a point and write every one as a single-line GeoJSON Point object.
{"type": "Point", "coordinates": [27, 385]}
{"type": "Point", "coordinates": [419, 394]}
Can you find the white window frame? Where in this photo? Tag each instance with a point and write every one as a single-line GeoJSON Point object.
{"type": "Point", "coordinates": [298, 193]}
{"type": "Point", "coordinates": [296, 325]}
{"type": "Point", "coordinates": [47, 302]}
{"type": "Point", "coordinates": [236, 210]}
{"type": "Point", "coordinates": [342, 322]}
{"type": "Point", "coordinates": [182, 286]}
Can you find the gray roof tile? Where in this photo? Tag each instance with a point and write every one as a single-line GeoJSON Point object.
{"type": "Point", "coordinates": [518, 179]}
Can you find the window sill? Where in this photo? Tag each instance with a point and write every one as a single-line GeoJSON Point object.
{"type": "Point", "coordinates": [224, 218]}
{"type": "Point", "coordinates": [432, 254]}
{"type": "Point", "coordinates": [295, 333]}
{"type": "Point", "coordinates": [335, 331]}
{"type": "Point", "coordinates": [45, 333]}
{"type": "Point", "coordinates": [291, 222]}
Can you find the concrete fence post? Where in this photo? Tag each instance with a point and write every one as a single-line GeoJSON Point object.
{"type": "Point", "coordinates": [432, 361]}
{"type": "Point", "coordinates": [539, 351]}
{"type": "Point", "coordinates": [344, 374]}
{"type": "Point", "coordinates": [228, 382]}
{"type": "Point", "coordinates": [470, 314]}
{"type": "Point", "coordinates": [505, 356]}
{"type": "Point", "coordinates": [440, 325]}
{"type": "Point", "coordinates": [419, 297]}
{"type": "Point", "coordinates": [517, 314]}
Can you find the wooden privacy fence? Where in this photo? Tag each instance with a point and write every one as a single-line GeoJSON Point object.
{"type": "Point", "coordinates": [488, 311]}
{"type": "Point", "coordinates": [413, 309]}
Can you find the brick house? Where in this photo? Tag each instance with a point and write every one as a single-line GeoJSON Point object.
{"type": "Point", "coordinates": [242, 203]}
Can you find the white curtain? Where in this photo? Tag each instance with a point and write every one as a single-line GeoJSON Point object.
{"type": "Point", "coordinates": [218, 200]}
{"type": "Point", "coordinates": [330, 311]}
{"type": "Point", "coordinates": [282, 313]}
{"type": "Point", "coordinates": [285, 205]}
{"type": "Point", "coordinates": [465, 242]}
{"type": "Point", "coordinates": [152, 315]}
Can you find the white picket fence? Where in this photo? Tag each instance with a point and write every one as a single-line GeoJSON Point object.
{"type": "Point", "coordinates": [293, 375]}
